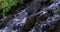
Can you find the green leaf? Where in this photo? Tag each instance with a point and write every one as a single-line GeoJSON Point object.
{"type": "Point", "coordinates": [57, 11]}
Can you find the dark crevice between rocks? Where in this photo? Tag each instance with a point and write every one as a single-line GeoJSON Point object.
{"type": "Point", "coordinates": [0, 13]}
{"type": "Point", "coordinates": [29, 24]}
{"type": "Point", "coordinates": [47, 3]}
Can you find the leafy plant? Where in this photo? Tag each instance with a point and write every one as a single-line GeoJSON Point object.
{"type": "Point", "coordinates": [6, 5]}
{"type": "Point", "coordinates": [57, 10]}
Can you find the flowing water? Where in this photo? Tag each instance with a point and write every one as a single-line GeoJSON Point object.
{"type": "Point", "coordinates": [21, 17]}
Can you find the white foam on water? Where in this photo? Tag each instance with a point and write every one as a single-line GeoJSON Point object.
{"type": "Point", "coordinates": [32, 30]}
{"type": "Point", "coordinates": [23, 21]}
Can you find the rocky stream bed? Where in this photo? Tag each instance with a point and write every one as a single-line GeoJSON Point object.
{"type": "Point", "coordinates": [38, 16]}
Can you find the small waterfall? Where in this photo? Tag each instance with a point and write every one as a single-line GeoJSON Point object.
{"type": "Point", "coordinates": [19, 18]}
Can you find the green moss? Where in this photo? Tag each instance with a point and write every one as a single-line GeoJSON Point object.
{"type": "Point", "coordinates": [6, 5]}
